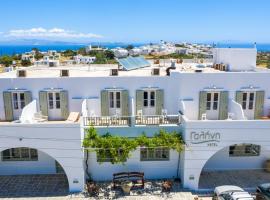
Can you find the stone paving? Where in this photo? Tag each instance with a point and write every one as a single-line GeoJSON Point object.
{"type": "Point", "coordinates": [247, 179]}
{"type": "Point", "coordinates": [33, 185]}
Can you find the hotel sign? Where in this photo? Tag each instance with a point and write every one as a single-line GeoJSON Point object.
{"type": "Point", "coordinates": [205, 137]}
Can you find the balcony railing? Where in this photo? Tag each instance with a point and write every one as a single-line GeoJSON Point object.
{"type": "Point", "coordinates": [129, 121]}
{"type": "Point", "coordinates": [157, 119]}
{"type": "Point", "coordinates": [107, 121]}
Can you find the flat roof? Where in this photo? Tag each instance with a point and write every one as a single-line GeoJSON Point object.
{"type": "Point", "coordinates": [104, 70]}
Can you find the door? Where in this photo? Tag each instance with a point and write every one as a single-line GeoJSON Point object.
{"type": "Point", "coordinates": [54, 107]}
{"type": "Point", "coordinates": [115, 105]}
{"type": "Point", "coordinates": [248, 104]}
{"type": "Point", "coordinates": [212, 105]}
{"type": "Point", "coordinates": [149, 102]}
{"type": "Point", "coordinates": [18, 102]}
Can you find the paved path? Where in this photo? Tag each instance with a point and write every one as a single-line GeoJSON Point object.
{"type": "Point", "coordinates": [248, 179]}
{"type": "Point", "coordinates": [33, 185]}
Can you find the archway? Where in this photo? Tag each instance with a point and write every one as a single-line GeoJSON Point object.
{"type": "Point", "coordinates": [237, 164]}
{"type": "Point", "coordinates": [26, 171]}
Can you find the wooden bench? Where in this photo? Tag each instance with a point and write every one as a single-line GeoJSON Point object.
{"type": "Point", "coordinates": [137, 178]}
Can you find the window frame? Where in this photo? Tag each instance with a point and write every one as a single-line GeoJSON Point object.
{"type": "Point", "coordinates": [212, 103]}
{"type": "Point", "coordinates": [31, 154]}
{"type": "Point", "coordinates": [149, 98]}
{"type": "Point", "coordinates": [115, 100]}
{"type": "Point", "coordinates": [154, 151]}
{"type": "Point", "coordinates": [18, 100]}
{"type": "Point", "coordinates": [108, 158]}
{"type": "Point", "coordinates": [54, 100]}
{"type": "Point", "coordinates": [248, 103]}
{"type": "Point", "coordinates": [246, 151]}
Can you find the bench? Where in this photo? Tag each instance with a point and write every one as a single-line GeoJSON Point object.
{"type": "Point", "coordinates": [137, 178]}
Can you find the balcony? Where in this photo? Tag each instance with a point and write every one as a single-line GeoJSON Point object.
{"type": "Point", "coordinates": [147, 120]}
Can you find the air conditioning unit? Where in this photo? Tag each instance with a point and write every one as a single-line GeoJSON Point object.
{"type": "Point", "coordinates": [21, 73]}
{"type": "Point", "coordinates": [64, 72]}
{"type": "Point", "coordinates": [114, 72]}
{"type": "Point", "coordinates": [155, 71]}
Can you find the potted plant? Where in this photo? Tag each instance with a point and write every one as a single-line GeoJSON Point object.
{"type": "Point", "coordinates": [126, 186]}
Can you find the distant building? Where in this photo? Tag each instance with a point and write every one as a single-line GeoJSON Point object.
{"type": "Point", "coordinates": [120, 52]}
{"type": "Point", "coordinates": [79, 59]}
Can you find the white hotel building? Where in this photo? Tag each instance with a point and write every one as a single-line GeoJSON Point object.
{"type": "Point", "coordinates": [220, 108]}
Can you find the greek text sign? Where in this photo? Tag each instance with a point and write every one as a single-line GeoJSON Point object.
{"type": "Point", "coordinates": [205, 137]}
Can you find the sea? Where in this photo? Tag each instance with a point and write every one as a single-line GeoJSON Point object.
{"type": "Point", "coordinates": [18, 49]}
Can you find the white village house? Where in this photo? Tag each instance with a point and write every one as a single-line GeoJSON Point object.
{"type": "Point", "coordinates": [222, 110]}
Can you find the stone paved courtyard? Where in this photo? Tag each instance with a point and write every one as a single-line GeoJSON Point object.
{"type": "Point", "coordinates": [33, 185]}
{"type": "Point", "coordinates": [247, 179]}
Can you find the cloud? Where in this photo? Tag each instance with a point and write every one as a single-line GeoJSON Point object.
{"type": "Point", "coordinates": [49, 33]}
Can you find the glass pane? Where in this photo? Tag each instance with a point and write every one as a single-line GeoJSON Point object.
{"type": "Point", "coordinates": [215, 105]}
{"type": "Point", "coordinates": [165, 154]}
{"type": "Point", "coordinates": [251, 96]}
{"type": "Point", "coordinates": [208, 105]}
{"type": "Point", "coordinates": [244, 105]}
{"type": "Point", "coordinates": [111, 100]}
{"type": "Point", "coordinates": [118, 95]}
{"type": "Point", "coordinates": [152, 103]}
{"type": "Point", "coordinates": [145, 103]}
{"type": "Point", "coordinates": [15, 153]}
{"type": "Point", "coordinates": [215, 96]}
{"type": "Point", "coordinates": [51, 104]}
{"type": "Point", "coordinates": [15, 97]}
{"type": "Point", "coordinates": [143, 154]}
{"type": "Point", "coordinates": [57, 96]}
{"type": "Point", "coordinates": [22, 96]}
{"type": "Point", "coordinates": [151, 153]}
{"type": "Point", "coordinates": [6, 154]}
{"type": "Point", "coordinates": [145, 95]}
{"type": "Point", "coordinates": [50, 96]}
{"type": "Point", "coordinates": [57, 104]}
{"type": "Point", "coordinates": [158, 153]}
{"type": "Point", "coordinates": [208, 96]}
{"type": "Point", "coordinates": [34, 154]}
{"type": "Point", "coordinates": [152, 95]}
{"type": "Point", "coordinates": [244, 96]}
{"type": "Point", "coordinates": [250, 105]}
{"type": "Point", "coordinates": [25, 153]}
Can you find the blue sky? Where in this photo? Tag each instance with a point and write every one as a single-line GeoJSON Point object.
{"type": "Point", "coordinates": [136, 20]}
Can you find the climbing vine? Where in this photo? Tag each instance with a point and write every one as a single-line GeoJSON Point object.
{"type": "Point", "coordinates": [119, 148]}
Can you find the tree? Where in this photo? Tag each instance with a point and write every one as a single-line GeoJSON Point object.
{"type": "Point", "coordinates": [6, 60]}
{"type": "Point", "coordinates": [26, 63]}
{"type": "Point", "coordinates": [69, 53]}
{"type": "Point", "coordinates": [82, 51]}
{"type": "Point", "coordinates": [130, 46]}
{"type": "Point", "coordinates": [38, 55]}
{"type": "Point", "coordinates": [109, 54]}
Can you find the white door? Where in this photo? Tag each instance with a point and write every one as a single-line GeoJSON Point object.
{"type": "Point", "coordinates": [248, 104]}
{"type": "Point", "coordinates": [115, 103]}
{"type": "Point", "coordinates": [149, 102]}
{"type": "Point", "coordinates": [18, 102]}
{"type": "Point", "coordinates": [54, 109]}
{"type": "Point", "coordinates": [212, 105]}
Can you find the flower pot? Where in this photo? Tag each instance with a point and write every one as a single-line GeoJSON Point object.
{"type": "Point", "coordinates": [126, 186]}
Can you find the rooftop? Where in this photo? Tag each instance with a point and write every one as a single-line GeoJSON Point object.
{"type": "Point", "coordinates": [104, 70]}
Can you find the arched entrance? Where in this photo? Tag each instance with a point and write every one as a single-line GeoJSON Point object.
{"type": "Point", "coordinates": [237, 164]}
{"type": "Point", "coordinates": [28, 171]}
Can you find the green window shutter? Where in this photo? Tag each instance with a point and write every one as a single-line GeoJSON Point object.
{"type": "Point", "coordinates": [139, 100]}
{"type": "Point", "coordinates": [259, 105]}
{"type": "Point", "coordinates": [239, 97]}
{"type": "Point", "coordinates": [104, 97]}
{"type": "Point", "coordinates": [7, 96]}
{"type": "Point", "coordinates": [202, 103]}
{"type": "Point", "coordinates": [28, 97]}
{"type": "Point", "coordinates": [125, 103]}
{"type": "Point", "coordinates": [64, 104]}
{"type": "Point", "coordinates": [223, 105]}
{"type": "Point", "coordinates": [159, 101]}
{"type": "Point", "coordinates": [43, 103]}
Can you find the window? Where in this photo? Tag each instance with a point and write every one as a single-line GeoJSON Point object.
{"type": "Point", "coordinates": [108, 157]}
{"type": "Point", "coordinates": [248, 100]}
{"type": "Point", "coordinates": [149, 98]}
{"type": "Point", "coordinates": [244, 150]}
{"type": "Point", "coordinates": [20, 154]}
{"type": "Point", "coordinates": [54, 100]}
{"type": "Point", "coordinates": [212, 100]}
{"type": "Point", "coordinates": [155, 154]}
{"type": "Point", "coordinates": [18, 100]}
{"type": "Point", "coordinates": [58, 168]}
{"type": "Point", "coordinates": [115, 99]}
